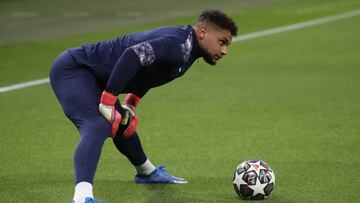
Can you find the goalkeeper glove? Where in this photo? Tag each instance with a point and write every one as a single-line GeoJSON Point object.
{"type": "Point", "coordinates": [130, 118]}
{"type": "Point", "coordinates": [107, 109]}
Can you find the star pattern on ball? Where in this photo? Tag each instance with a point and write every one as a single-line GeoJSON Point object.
{"type": "Point", "coordinates": [258, 187]}
{"type": "Point", "coordinates": [239, 181]}
{"type": "Point", "coordinates": [256, 167]}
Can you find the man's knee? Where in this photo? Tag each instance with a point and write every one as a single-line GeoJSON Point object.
{"type": "Point", "coordinates": [98, 127]}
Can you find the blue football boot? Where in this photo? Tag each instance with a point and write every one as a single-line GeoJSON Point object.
{"type": "Point", "coordinates": [159, 175]}
{"type": "Point", "coordinates": [90, 200]}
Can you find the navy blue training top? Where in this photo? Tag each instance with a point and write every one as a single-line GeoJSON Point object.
{"type": "Point", "coordinates": [140, 61]}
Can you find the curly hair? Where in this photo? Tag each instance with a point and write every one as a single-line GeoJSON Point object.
{"type": "Point", "coordinates": [219, 19]}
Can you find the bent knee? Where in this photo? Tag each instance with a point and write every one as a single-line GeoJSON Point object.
{"type": "Point", "coordinates": [98, 126]}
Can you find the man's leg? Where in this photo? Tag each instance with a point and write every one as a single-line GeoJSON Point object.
{"type": "Point", "coordinates": [146, 171]}
{"type": "Point", "coordinates": [132, 149]}
{"type": "Point", "coordinates": [93, 133]}
{"type": "Point", "coordinates": [79, 96]}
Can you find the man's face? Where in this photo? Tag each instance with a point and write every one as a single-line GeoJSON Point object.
{"type": "Point", "coordinates": [214, 42]}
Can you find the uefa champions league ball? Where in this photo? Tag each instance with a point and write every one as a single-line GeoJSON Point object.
{"type": "Point", "coordinates": [253, 180]}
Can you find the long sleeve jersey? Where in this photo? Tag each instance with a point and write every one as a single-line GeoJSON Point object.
{"type": "Point", "coordinates": [140, 61]}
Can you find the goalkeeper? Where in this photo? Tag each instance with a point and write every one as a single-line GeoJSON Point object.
{"type": "Point", "coordinates": [88, 79]}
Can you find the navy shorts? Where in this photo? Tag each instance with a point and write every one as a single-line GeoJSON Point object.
{"type": "Point", "coordinates": [78, 93]}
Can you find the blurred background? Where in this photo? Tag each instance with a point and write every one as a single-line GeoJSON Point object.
{"type": "Point", "coordinates": [24, 20]}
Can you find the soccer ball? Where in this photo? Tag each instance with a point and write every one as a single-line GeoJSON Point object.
{"type": "Point", "coordinates": [253, 179]}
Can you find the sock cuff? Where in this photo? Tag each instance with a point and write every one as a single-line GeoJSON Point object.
{"type": "Point", "coordinates": [146, 168]}
{"type": "Point", "coordinates": [83, 190]}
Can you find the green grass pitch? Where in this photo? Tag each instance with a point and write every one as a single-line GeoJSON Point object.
{"type": "Point", "coordinates": [291, 99]}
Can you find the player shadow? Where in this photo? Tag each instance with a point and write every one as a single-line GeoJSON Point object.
{"type": "Point", "coordinates": [150, 192]}
{"type": "Point", "coordinates": [168, 193]}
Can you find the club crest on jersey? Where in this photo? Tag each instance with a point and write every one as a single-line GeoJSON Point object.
{"type": "Point", "coordinates": [145, 52]}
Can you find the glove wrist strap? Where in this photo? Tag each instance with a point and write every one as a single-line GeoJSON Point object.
{"type": "Point", "coordinates": [107, 98]}
{"type": "Point", "coordinates": [132, 99]}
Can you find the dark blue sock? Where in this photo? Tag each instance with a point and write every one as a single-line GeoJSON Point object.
{"type": "Point", "coordinates": [131, 148]}
{"type": "Point", "coordinates": [88, 151]}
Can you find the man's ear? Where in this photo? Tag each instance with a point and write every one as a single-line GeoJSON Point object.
{"type": "Point", "coordinates": [203, 32]}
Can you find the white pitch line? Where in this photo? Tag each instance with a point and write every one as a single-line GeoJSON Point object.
{"type": "Point", "coordinates": [24, 85]}
{"type": "Point", "coordinates": [297, 26]}
{"type": "Point", "coordinates": [244, 37]}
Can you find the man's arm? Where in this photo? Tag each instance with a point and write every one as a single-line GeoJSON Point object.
{"type": "Point", "coordinates": [159, 50]}
{"type": "Point", "coordinates": [125, 68]}
{"type": "Point", "coordinates": [143, 54]}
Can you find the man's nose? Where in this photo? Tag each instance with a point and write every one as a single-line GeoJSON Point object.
{"type": "Point", "coordinates": [224, 50]}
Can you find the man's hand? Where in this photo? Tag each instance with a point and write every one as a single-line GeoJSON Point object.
{"type": "Point", "coordinates": [130, 118]}
{"type": "Point", "coordinates": [107, 109]}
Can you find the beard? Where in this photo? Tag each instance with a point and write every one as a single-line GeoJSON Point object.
{"type": "Point", "coordinates": [208, 59]}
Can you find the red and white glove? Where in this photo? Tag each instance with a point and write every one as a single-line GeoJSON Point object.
{"type": "Point", "coordinates": [107, 109]}
{"type": "Point", "coordinates": [130, 118]}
